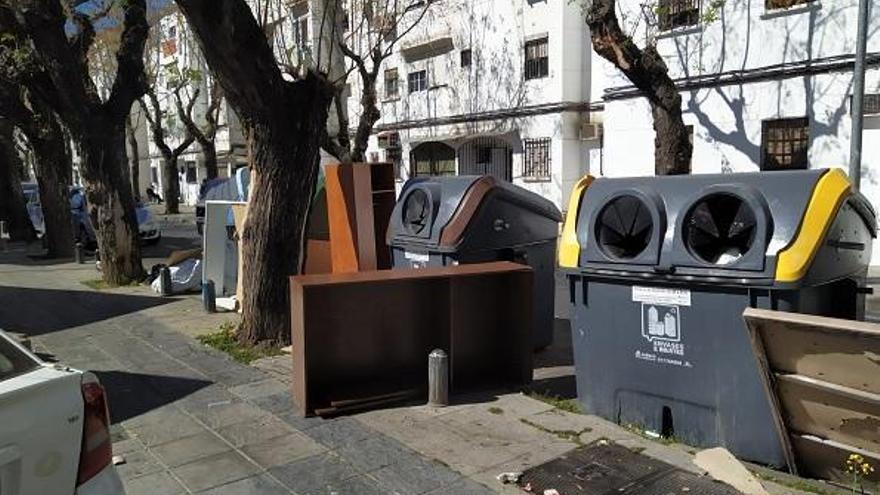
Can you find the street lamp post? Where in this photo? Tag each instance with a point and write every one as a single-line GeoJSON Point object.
{"type": "Point", "coordinates": [855, 150]}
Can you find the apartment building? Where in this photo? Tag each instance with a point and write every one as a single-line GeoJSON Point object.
{"type": "Point", "coordinates": [174, 48]}
{"type": "Point", "coordinates": [484, 86]}
{"type": "Point", "coordinates": [767, 85]}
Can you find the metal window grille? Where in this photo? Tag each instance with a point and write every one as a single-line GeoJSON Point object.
{"type": "Point", "coordinates": [537, 59]}
{"type": "Point", "coordinates": [418, 81]}
{"type": "Point", "coordinates": [536, 163]}
{"type": "Point", "coordinates": [785, 143]}
{"type": "Point", "coordinates": [784, 4]}
{"type": "Point", "coordinates": [871, 104]}
{"type": "Point", "coordinates": [392, 87]}
{"type": "Point", "coordinates": [674, 14]}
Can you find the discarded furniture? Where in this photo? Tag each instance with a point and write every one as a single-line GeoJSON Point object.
{"type": "Point", "coordinates": [659, 271]}
{"type": "Point", "coordinates": [362, 337]}
{"type": "Point", "coordinates": [442, 221]}
{"type": "Point", "coordinates": [360, 197]}
{"type": "Point", "coordinates": [821, 376]}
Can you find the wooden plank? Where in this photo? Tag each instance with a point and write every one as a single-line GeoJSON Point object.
{"type": "Point", "coordinates": [829, 349]}
{"type": "Point", "coordinates": [830, 411]}
{"type": "Point", "coordinates": [769, 390]}
{"type": "Point", "coordinates": [326, 279]}
{"type": "Point", "coordinates": [826, 459]}
{"type": "Point", "coordinates": [340, 217]}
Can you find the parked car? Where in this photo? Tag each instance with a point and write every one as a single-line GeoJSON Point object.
{"type": "Point", "coordinates": [148, 228]}
{"type": "Point", "coordinates": [54, 428]}
{"type": "Point", "coordinates": [226, 189]}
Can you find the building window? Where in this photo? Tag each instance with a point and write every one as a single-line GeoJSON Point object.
{"type": "Point", "coordinates": [418, 81]}
{"type": "Point", "coordinates": [871, 104]}
{"type": "Point", "coordinates": [784, 4]}
{"type": "Point", "coordinates": [674, 14]}
{"type": "Point", "coordinates": [191, 173]}
{"type": "Point", "coordinates": [301, 32]}
{"type": "Point", "coordinates": [536, 159]}
{"type": "Point", "coordinates": [391, 85]}
{"type": "Point", "coordinates": [784, 143]}
{"type": "Point", "coordinates": [466, 57]}
{"type": "Point", "coordinates": [537, 61]}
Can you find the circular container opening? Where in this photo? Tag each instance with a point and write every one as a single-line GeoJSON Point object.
{"type": "Point", "coordinates": [416, 212]}
{"type": "Point", "coordinates": [720, 229]}
{"type": "Point", "coordinates": [624, 227]}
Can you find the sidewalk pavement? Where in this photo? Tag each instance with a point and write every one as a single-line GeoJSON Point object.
{"type": "Point", "coordinates": [188, 419]}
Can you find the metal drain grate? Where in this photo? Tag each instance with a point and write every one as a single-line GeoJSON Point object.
{"type": "Point", "coordinates": [613, 469]}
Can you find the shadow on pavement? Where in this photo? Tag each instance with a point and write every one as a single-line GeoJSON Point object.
{"type": "Point", "coordinates": [132, 394]}
{"type": "Point", "coordinates": [41, 311]}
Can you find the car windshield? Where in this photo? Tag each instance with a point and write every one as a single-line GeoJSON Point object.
{"type": "Point", "coordinates": [13, 361]}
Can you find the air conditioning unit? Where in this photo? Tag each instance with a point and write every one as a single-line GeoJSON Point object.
{"type": "Point", "coordinates": [591, 130]}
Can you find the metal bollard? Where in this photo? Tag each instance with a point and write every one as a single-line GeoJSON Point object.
{"type": "Point", "coordinates": [164, 281]}
{"type": "Point", "coordinates": [209, 296]}
{"type": "Point", "coordinates": [78, 253]}
{"type": "Point", "coordinates": [438, 378]}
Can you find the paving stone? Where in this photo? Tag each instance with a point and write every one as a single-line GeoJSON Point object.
{"type": "Point", "coordinates": [339, 432]}
{"type": "Point", "coordinates": [158, 433]}
{"type": "Point", "coordinates": [260, 388]}
{"type": "Point", "coordinates": [465, 486]}
{"type": "Point", "coordinates": [415, 477]}
{"type": "Point", "coordinates": [188, 449]}
{"type": "Point", "coordinates": [128, 445]}
{"type": "Point", "coordinates": [300, 423]}
{"type": "Point", "coordinates": [282, 450]}
{"type": "Point", "coordinates": [255, 485]}
{"type": "Point", "coordinates": [376, 452]}
{"type": "Point", "coordinates": [215, 470]}
{"type": "Point", "coordinates": [359, 485]}
{"type": "Point", "coordinates": [166, 414]}
{"type": "Point", "coordinates": [226, 413]}
{"type": "Point", "coordinates": [138, 463]}
{"type": "Point", "coordinates": [236, 374]}
{"type": "Point", "coordinates": [314, 473]}
{"type": "Point", "coordinates": [251, 432]}
{"type": "Point", "coordinates": [279, 403]}
{"type": "Point", "coordinates": [206, 396]}
{"type": "Point", "coordinates": [153, 484]}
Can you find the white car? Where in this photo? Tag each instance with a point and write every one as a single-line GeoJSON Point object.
{"type": "Point", "coordinates": [54, 428]}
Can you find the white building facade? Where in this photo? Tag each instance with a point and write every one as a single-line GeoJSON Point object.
{"type": "Point", "coordinates": [175, 46]}
{"type": "Point", "coordinates": [484, 86]}
{"type": "Point", "coordinates": [765, 86]}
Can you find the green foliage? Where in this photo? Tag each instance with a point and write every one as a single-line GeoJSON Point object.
{"type": "Point", "coordinates": [225, 340]}
{"type": "Point", "coordinates": [100, 284]}
{"type": "Point", "coordinates": [567, 405]}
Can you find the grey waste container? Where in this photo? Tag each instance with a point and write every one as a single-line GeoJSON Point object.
{"type": "Point", "coordinates": [660, 271]}
{"type": "Point", "coordinates": [440, 221]}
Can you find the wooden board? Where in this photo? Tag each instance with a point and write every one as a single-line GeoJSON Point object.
{"type": "Point", "coordinates": [365, 334]}
{"type": "Point", "coordinates": [826, 459]}
{"type": "Point", "coordinates": [830, 411]}
{"type": "Point", "coordinates": [830, 349]}
{"type": "Point", "coordinates": [822, 376]}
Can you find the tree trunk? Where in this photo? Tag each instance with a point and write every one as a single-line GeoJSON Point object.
{"type": "Point", "coordinates": [13, 207]}
{"type": "Point", "coordinates": [170, 185]}
{"type": "Point", "coordinates": [369, 116]}
{"type": "Point", "coordinates": [134, 158]}
{"type": "Point", "coordinates": [647, 71]}
{"type": "Point", "coordinates": [282, 185]}
{"type": "Point", "coordinates": [209, 155]}
{"type": "Point", "coordinates": [53, 169]}
{"type": "Point", "coordinates": [110, 203]}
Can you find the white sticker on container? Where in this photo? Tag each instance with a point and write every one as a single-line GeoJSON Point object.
{"type": "Point", "coordinates": [660, 295]}
{"type": "Point", "coordinates": [420, 257]}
